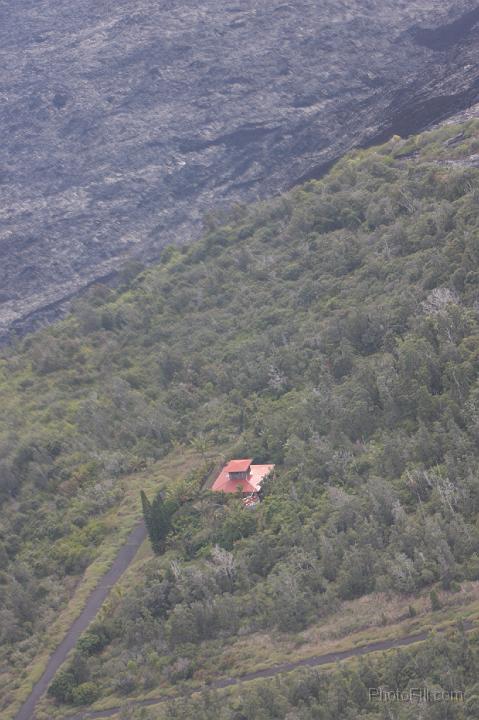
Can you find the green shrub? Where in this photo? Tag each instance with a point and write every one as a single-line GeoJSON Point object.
{"type": "Point", "coordinates": [62, 686]}
{"type": "Point", "coordinates": [85, 693]}
{"type": "Point", "coordinates": [90, 643]}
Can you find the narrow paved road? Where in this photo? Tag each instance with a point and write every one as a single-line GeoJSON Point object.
{"type": "Point", "coordinates": [93, 604]}
{"type": "Point", "coordinates": [314, 661]}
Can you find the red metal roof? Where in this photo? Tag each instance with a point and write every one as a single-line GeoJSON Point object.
{"type": "Point", "coordinates": [224, 483]}
{"type": "Point", "coordinates": [258, 474]}
{"type": "Point", "coordinates": [238, 465]}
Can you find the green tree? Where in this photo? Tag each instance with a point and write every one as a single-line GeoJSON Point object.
{"type": "Point", "coordinates": [157, 515]}
{"type": "Point", "coordinates": [434, 599]}
{"type": "Point", "coordinates": [62, 686]}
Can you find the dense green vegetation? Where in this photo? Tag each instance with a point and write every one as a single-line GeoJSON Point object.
{"type": "Point", "coordinates": [333, 331]}
{"type": "Point", "coordinates": [157, 516]}
{"type": "Point", "coordinates": [446, 668]}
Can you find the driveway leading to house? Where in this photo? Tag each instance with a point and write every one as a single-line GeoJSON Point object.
{"type": "Point", "coordinates": [93, 604]}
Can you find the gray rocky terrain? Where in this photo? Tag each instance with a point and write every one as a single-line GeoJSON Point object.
{"type": "Point", "coordinates": [124, 122]}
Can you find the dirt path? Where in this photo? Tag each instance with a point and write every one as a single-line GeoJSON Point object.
{"type": "Point", "coordinates": [314, 661]}
{"type": "Point", "coordinates": [93, 604]}
{"type": "Point", "coordinates": [99, 595]}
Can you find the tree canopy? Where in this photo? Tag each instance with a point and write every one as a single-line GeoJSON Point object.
{"type": "Point", "coordinates": [333, 331]}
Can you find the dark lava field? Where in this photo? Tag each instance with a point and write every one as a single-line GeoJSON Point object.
{"type": "Point", "coordinates": [124, 122]}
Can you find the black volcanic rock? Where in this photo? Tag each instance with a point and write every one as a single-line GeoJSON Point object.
{"type": "Point", "coordinates": [122, 123]}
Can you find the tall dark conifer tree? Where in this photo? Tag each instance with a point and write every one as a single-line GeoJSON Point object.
{"type": "Point", "coordinates": [157, 515]}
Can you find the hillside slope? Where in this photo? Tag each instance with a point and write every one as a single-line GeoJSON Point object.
{"type": "Point", "coordinates": [122, 126]}
{"type": "Point", "coordinates": [434, 680]}
{"type": "Point", "coordinates": [334, 331]}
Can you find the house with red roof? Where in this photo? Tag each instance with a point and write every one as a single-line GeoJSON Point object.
{"type": "Point", "coordinates": [242, 476]}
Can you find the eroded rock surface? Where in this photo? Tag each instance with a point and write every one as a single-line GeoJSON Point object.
{"type": "Point", "coordinates": [124, 122]}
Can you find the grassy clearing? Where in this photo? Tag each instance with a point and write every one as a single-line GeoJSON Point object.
{"type": "Point", "coordinates": [355, 624]}
{"type": "Point", "coordinates": [433, 622]}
